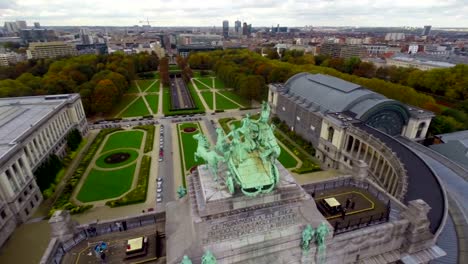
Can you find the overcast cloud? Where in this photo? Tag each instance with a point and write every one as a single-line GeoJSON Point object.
{"type": "Point", "coordinates": [416, 13]}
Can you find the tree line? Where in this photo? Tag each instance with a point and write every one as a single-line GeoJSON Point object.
{"type": "Point", "coordinates": [248, 73]}
{"type": "Point", "coordinates": [101, 80]}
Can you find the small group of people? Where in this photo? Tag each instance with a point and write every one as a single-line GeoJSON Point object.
{"type": "Point", "coordinates": [350, 204]}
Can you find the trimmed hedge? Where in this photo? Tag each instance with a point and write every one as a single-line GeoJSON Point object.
{"type": "Point", "coordinates": [223, 122]}
{"type": "Point", "coordinates": [149, 136]}
{"type": "Point", "coordinates": [138, 194]}
{"type": "Point", "coordinates": [63, 201]}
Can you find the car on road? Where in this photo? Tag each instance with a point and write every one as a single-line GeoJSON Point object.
{"type": "Point", "coordinates": [159, 190]}
{"type": "Point", "coordinates": [159, 195]}
{"type": "Point", "coordinates": [159, 184]}
{"type": "Point", "coordinates": [159, 200]}
{"type": "Point", "coordinates": [159, 179]}
{"type": "Point", "coordinates": [161, 159]}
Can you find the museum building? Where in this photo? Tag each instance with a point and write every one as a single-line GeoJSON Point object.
{"type": "Point", "coordinates": [353, 128]}
{"type": "Point", "coordinates": [31, 129]}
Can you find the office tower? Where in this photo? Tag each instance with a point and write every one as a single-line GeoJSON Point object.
{"type": "Point", "coordinates": [21, 24]}
{"type": "Point", "coordinates": [237, 26]}
{"type": "Point", "coordinates": [11, 27]}
{"type": "Point", "coordinates": [37, 25]}
{"type": "Point", "coordinates": [225, 29]}
{"type": "Point", "coordinates": [426, 30]}
{"type": "Point", "coordinates": [40, 50]}
{"type": "Point", "coordinates": [245, 29]}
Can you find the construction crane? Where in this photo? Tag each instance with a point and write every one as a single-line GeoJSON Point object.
{"type": "Point", "coordinates": [147, 21]}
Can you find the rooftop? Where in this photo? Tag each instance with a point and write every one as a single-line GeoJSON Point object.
{"type": "Point", "coordinates": [21, 115]}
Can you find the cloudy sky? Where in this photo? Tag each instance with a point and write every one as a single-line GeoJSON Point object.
{"type": "Point", "coordinates": [438, 13]}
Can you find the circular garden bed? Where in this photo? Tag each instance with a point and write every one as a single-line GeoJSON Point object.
{"type": "Point", "coordinates": [116, 158]}
{"type": "Point", "coordinates": [190, 129]}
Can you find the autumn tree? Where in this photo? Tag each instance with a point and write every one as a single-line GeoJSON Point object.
{"type": "Point", "coordinates": [105, 95]}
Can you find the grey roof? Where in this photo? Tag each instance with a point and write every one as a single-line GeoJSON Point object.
{"type": "Point", "coordinates": [20, 116]}
{"type": "Point", "coordinates": [459, 135]}
{"type": "Point", "coordinates": [332, 94]}
{"type": "Point", "coordinates": [455, 150]}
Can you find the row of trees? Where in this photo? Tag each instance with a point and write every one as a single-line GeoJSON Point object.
{"type": "Point", "coordinates": [100, 79]}
{"type": "Point", "coordinates": [248, 72]}
{"type": "Point", "coordinates": [187, 73]}
{"type": "Point", "coordinates": [164, 71]}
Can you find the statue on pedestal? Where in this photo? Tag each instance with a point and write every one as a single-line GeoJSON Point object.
{"type": "Point", "coordinates": [321, 233]}
{"type": "Point", "coordinates": [208, 258]}
{"type": "Point", "coordinates": [210, 156]}
{"type": "Point", "coordinates": [308, 234]}
{"type": "Point", "coordinates": [181, 192]}
{"type": "Point", "coordinates": [186, 260]}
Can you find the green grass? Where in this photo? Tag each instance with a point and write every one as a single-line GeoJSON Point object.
{"type": "Point", "coordinates": [126, 99]}
{"type": "Point", "coordinates": [189, 145]}
{"type": "Point", "coordinates": [174, 68]}
{"type": "Point", "coordinates": [101, 163]}
{"type": "Point", "coordinates": [100, 185]}
{"type": "Point", "coordinates": [223, 103]}
{"type": "Point", "coordinates": [144, 84]}
{"type": "Point", "coordinates": [123, 139]}
{"type": "Point", "coordinates": [286, 159]}
{"type": "Point", "coordinates": [206, 80]}
{"type": "Point", "coordinates": [200, 85]}
{"type": "Point", "coordinates": [138, 108]}
{"type": "Point", "coordinates": [219, 84]}
{"type": "Point", "coordinates": [154, 88]}
{"type": "Point", "coordinates": [153, 101]}
{"type": "Point", "coordinates": [235, 98]}
{"type": "Point", "coordinates": [149, 136]}
{"type": "Point", "coordinates": [208, 96]}
{"type": "Point", "coordinates": [133, 88]}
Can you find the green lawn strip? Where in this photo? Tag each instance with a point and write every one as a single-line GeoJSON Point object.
{"type": "Point", "coordinates": [100, 162]}
{"type": "Point", "coordinates": [286, 159]}
{"type": "Point", "coordinates": [100, 185]}
{"type": "Point", "coordinates": [153, 88]}
{"type": "Point", "coordinates": [124, 102]}
{"type": "Point", "coordinates": [223, 103]}
{"type": "Point", "coordinates": [208, 96]}
{"type": "Point", "coordinates": [196, 74]}
{"type": "Point", "coordinates": [133, 88]}
{"type": "Point", "coordinates": [153, 100]}
{"type": "Point", "coordinates": [174, 67]}
{"type": "Point", "coordinates": [138, 108]}
{"type": "Point", "coordinates": [144, 84]}
{"type": "Point", "coordinates": [63, 201]}
{"type": "Point", "coordinates": [189, 145]}
{"type": "Point", "coordinates": [138, 194]}
{"type": "Point", "coordinates": [149, 136]}
{"type": "Point", "coordinates": [206, 80]}
{"type": "Point", "coordinates": [123, 139]}
{"type": "Point", "coordinates": [235, 97]}
{"type": "Point", "coordinates": [219, 84]}
{"type": "Point", "coordinates": [200, 85]}
{"type": "Point", "coordinates": [196, 98]}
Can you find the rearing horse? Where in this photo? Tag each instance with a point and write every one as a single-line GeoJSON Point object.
{"type": "Point", "coordinates": [211, 157]}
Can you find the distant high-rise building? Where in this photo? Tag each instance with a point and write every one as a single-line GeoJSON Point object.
{"type": "Point", "coordinates": [343, 50]}
{"type": "Point", "coordinates": [38, 35]}
{"type": "Point", "coordinates": [225, 29]}
{"type": "Point", "coordinates": [426, 30]}
{"type": "Point", "coordinates": [86, 37]}
{"type": "Point", "coordinates": [22, 24]}
{"type": "Point", "coordinates": [37, 25]}
{"type": "Point", "coordinates": [237, 26]}
{"type": "Point", "coordinates": [11, 27]}
{"type": "Point", "coordinates": [394, 36]}
{"type": "Point", "coordinates": [249, 29]}
{"type": "Point", "coordinates": [245, 29]}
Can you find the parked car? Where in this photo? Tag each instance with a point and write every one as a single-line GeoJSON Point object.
{"type": "Point", "coordinates": [159, 179]}
{"type": "Point", "coordinates": [159, 200]}
{"type": "Point", "coordinates": [159, 190]}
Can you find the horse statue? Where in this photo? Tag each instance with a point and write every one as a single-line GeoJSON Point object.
{"type": "Point", "coordinates": [208, 258]}
{"type": "Point", "coordinates": [221, 145]}
{"type": "Point", "coordinates": [186, 260]}
{"type": "Point", "coordinates": [308, 235]}
{"type": "Point", "coordinates": [321, 233]}
{"type": "Point", "coordinates": [211, 157]}
{"type": "Point", "coordinates": [271, 149]}
{"type": "Point", "coordinates": [246, 130]}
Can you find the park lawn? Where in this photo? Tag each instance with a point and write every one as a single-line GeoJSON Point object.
{"type": "Point", "coordinates": [126, 100]}
{"type": "Point", "coordinates": [286, 159]}
{"type": "Point", "coordinates": [196, 74]}
{"type": "Point", "coordinates": [188, 145]}
{"type": "Point", "coordinates": [235, 97]}
{"type": "Point", "coordinates": [101, 163]}
{"type": "Point", "coordinates": [223, 103]}
{"type": "Point", "coordinates": [174, 67]}
{"type": "Point", "coordinates": [133, 88]}
{"type": "Point", "coordinates": [144, 84]}
{"type": "Point", "coordinates": [100, 185]}
{"type": "Point", "coordinates": [196, 98]}
{"type": "Point", "coordinates": [123, 139]}
{"type": "Point", "coordinates": [153, 101]}
{"type": "Point", "coordinates": [138, 108]}
{"type": "Point", "coordinates": [219, 84]}
{"type": "Point", "coordinates": [201, 85]}
{"type": "Point", "coordinates": [208, 96]}
{"type": "Point", "coordinates": [153, 88]}
{"type": "Point", "coordinates": [166, 101]}
{"type": "Point", "coordinates": [207, 81]}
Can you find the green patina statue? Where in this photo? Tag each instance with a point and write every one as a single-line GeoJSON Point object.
{"type": "Point", "coordinates": [186, 260]}
{"type": "Point", "coordinates": [181, 191]}
{"type": "Point", "coordinates": [308, 234]}
{"type": "Point", "coordinates": [208, 258]}
{"type": "Point", "coordinates": [321, 233]}
{"type": "Point", "coordinates": [210, 156]}
{"type": "Point", "coordinates": [249, 152]}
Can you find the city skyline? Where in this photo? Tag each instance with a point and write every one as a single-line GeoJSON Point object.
{"type": "Point", "coordinates": [383, 13]}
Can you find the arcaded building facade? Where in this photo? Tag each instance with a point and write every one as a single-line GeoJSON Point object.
{"type": "Point", "coordinates": [333, 114]}
{"type": "Point", "coordinates": [31, 128]}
